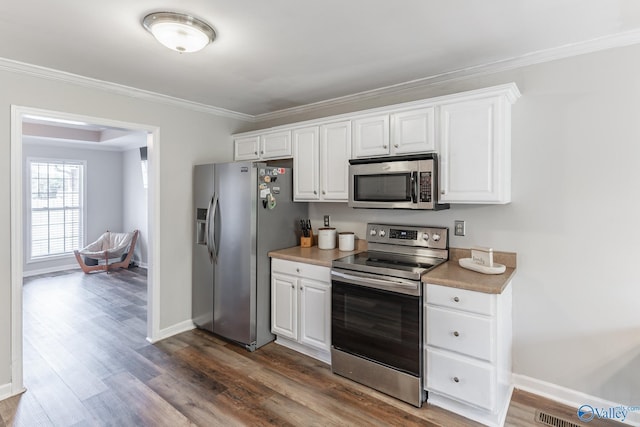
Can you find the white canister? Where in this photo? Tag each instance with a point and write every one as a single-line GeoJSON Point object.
{"type": "Point", "coordinates": [346, 241]}
{"type": "Point", "coordinates": [327, 238]}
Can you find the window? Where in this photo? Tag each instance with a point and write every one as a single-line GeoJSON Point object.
{"type": "Point", "coordinates": [56, 211]}
{"type": "Point", "coordinates": [143, 163]}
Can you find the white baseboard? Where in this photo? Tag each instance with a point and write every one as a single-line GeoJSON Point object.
{"type": "Point", "coordinates": [29, 273]}
{"type": "Point", "coordinates": [176, 329]}
{"type": "Point", "coordinates": [571, 397]}
{"type": "Point", "coordinates": [321, 355]}
{"type": "Point", "coordinates": [6, 391]}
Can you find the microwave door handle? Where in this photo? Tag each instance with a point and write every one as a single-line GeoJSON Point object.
{"type": "Point", "coordinates": [414, 187]}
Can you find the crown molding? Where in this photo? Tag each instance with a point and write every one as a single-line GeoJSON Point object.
{"type": "Point", "coordinates": [51, 74]}
{"type": "Point", "coordinates": [541, 56]}
{"type": "Point", "coordinates": [566, 51]}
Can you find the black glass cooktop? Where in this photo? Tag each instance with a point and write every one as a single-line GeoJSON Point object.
{"type": "Point", "coordinates": [387, 263]}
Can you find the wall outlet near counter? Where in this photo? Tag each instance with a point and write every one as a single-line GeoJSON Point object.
{"type": "Point", "coordinates": [459, 228]}
{"type": "Point", "coordinates": [326, 220]}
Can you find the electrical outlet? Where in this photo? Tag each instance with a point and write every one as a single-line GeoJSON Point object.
{"type": "Point", "coordinates": [326, 220]}
{"type": "Point", "coordinates": [459, 228]}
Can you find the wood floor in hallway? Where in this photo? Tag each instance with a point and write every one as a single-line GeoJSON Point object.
{"type": "Point", "coordinates": [87, 363]}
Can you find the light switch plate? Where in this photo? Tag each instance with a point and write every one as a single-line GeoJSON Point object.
{"type": "Point", "coordinates": [459, 228]}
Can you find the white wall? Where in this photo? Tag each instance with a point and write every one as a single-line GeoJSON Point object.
{"type": "Point", "coordinates": [186, 138]}
{"type": "Point", "coordinates": [104, 193]}
{"type": "Point", "coordinates": [135, 203]}
{"type": "Point", "coordinates": [576, 150]}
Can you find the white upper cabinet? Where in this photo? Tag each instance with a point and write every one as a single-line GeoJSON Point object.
{"type": "Point", "coordinates": [371, 136]}
{"type": "Point", "coordinates": [274, 145]}
{"type": "Point", "coordinates": [470, 132]}
{"type": "Point", "coordinates": [413, 131]}
{"type": "Point", "coordinates": [247, 148]}
{"type": "Point", "coordinates": [335, 152]}
{"type": "Point", "coordinates": [321, 162]}
{"type": "Point", "coordinates": [306, 164]}
{"type": "Point", "coordinates": [475, 150]}
{"type": "Point", "coordinates": [405, 132]}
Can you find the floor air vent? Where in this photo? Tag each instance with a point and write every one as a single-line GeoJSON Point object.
{"type": "Point", "coordinates": [553, 421]}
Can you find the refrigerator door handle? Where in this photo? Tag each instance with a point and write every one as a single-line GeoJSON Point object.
{"type": "Point", "coordinates": [210, 226]}
{"type": "Point", "coordinates": [214, 245]}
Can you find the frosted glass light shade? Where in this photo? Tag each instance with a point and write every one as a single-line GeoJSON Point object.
{"type": "Point", "coordinates": [179, 32]}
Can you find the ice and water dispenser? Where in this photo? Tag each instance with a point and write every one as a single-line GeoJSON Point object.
{"type": "Point", "coordinates": [201, 226]}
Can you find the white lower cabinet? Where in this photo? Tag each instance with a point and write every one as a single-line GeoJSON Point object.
{"type": "Point", "coordinates": [301, 307]}
{"type": "Point", "coordinates": [468, 352]}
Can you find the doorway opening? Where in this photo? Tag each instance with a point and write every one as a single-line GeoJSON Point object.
{"type": "Point", "coordinates": [62, 138]}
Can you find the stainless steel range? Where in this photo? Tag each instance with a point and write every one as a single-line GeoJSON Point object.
{"type": "Point", "coordinates": [376, 308]}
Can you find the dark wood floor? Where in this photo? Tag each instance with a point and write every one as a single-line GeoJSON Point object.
{"type": "Point", "coordinates": [87, 363]}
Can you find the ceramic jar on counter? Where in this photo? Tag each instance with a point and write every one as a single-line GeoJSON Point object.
{"type": "Point", "coordinates": [346, 241]}
{"type": "Point", "coordinates": [327, 238]}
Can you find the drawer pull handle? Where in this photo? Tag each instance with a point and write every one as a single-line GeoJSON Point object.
{"type": "Point", "coordinates": [297, 270]}
{"type": "Point", "coordinates": [456, 299]}
{"type": "Point", "coordinates": [456, 379]}
{"type": "Point", "coordinates": [456, 334]}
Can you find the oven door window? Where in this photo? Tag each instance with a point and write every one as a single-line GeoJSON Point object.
{"type": "Point", "coordinates": [381, 326]}
{"type": "Point", "coordinates": [391, 187]}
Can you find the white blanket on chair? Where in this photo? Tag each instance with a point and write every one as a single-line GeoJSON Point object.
{"type": "Point", "coordinates": [113, 244]}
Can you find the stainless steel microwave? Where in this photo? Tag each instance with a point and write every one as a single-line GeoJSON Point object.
{"type": "Point", "coordinates": [403, 182]}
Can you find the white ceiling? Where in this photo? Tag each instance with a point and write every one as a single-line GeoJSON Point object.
{"type": "Point", "coordinates": [280, 54]}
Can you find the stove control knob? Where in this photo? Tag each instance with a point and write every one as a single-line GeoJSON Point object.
{"type": "Point", "coordinates": [382, 233]}
{"type": "Point", "coordinates": [373, 232]}
{"type": "Point", "coordinates": [425, 236]}
{"type": "Point", "coordinates": [435, 237]}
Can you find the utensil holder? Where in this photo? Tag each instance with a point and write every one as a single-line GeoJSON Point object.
{"type": "Point", "coordinates": [307, 242]}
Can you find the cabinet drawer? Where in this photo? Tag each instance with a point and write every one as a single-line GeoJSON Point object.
{"type": "Point", "coordinates": [461, 378]}
{"type": "Point", "coordinates": [461, 332]}
{"type": "Point", "coordinates": [461, 299]}
{"type": "Point", "coordinates": [302, 269]}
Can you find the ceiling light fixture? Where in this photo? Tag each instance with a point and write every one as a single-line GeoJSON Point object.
{"type": "Point", "coordinates": [179, 32]}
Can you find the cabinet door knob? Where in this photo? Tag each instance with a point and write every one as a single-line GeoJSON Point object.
{"type": "Point", "coordinates": [396, 145]}
{"type": "Point", "coordinates": [293, 286]}
{"type": "Point", "coordinates": [301, 288]}
{"type": "Point", "coordinates": [324, 192]}
{"type": "Point", "coordinates": [315, 192]}
{"type": "Point", "coordinates": [297, 270]}
{"type": "Point", "coordinates": [442, 192]}
{"type": "Point", "coordinates": [456, 334]}
{"type": "Point", "coordinates": [456, 379]}
{"type": "Point", "coordinates": [255, 152]}
{"type": "Point", "coordinates": [456, 299]}
{"type": "Point", "coordinates": [385, 146]}
{"type": "Point", "coordinates": [262, 152]}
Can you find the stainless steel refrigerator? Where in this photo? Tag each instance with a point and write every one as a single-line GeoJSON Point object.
{"type": "Point", "coordinates": [242, 211]}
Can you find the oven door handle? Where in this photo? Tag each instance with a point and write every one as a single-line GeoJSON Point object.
{"type": "Point", "coordinates": [384, 284]}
